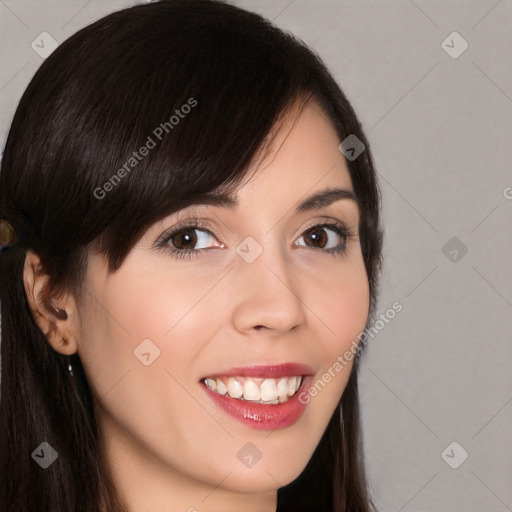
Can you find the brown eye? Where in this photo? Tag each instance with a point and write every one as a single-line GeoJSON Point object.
{"type": "Point", "coordinates": [318, 236]}
{"type": "Point", "coordinates": [328, 237]}
{"type": "Point", "coordinates": [190, 238]}
{"type": "Point", "coordinates": [185, 239]}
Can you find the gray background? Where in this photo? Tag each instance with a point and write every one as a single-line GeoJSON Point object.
{"type": "Point", "coordinates": [440, 129]}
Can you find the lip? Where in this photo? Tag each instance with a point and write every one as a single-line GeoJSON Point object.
{"type": "Point", "coordinates": [262, 416]}
{"type": "Point", "coordinates": [268, 371]}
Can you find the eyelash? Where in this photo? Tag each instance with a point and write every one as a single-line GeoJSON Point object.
{"type": "Point", "coordinates": [195, 223]}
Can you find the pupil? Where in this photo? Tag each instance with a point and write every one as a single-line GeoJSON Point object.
{"type": "Point", "coordinates": [317, 236]}
{"type": "Point", "coordinates": [185, 237]}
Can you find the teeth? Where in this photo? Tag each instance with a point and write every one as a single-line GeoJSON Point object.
{"type": "Point", "coordinates": [269, 390]}
{"type": "Point", "coordinates": [282, 388]}
{"type": "Point", "coordinates": [221, 387]}
{"type": "Point", "coordinates": [234, 388]}
{"type": "Point", "coordinates": [211, 384]}
{"type": "Point", "coordinates": [259, 390]}
{"type": "Point", "coordinates": [251, 390]}
{"type": "Point", "coordinates": [292, 385]}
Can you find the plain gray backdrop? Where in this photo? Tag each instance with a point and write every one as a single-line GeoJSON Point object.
{"type": "Point", "coordinates": [431, 82]}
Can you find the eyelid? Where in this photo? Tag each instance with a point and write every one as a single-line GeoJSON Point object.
{"type": "Point", "coordinates": [193, 221]}
{"type": "Point", "coordinates": [327, 219]}
{"type": "Point", "coordinates": [189, 222]}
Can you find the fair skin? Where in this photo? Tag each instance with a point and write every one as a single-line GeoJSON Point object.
{"type": "Point", "coordinates": [167, 446]}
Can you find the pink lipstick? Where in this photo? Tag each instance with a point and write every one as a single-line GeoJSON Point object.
{"type": "Point", "coordinates": [263, 397]}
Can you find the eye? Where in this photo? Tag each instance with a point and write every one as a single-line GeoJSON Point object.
{"type": "Point", "coordinates": [327, 237]}
{"type": "Point", "coordinates": [189, 238]}
{"type": "Point", "coordinates": [194, 238]}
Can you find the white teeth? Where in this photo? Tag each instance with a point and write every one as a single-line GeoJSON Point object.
{"type": "Point", "coordinates": [282, 387]}
{"type": "Point", "coordinates": [211, 384]}
{"type": "Point", "coordinates": [259, 390]}
{"type": "Point", "coordinates": [292, 385]}
{"type": "Point", "coordinates": [234, 388]}
{"type": "Point", "coordinates": [268, 390]}
{"type": "Point", "coordinates": [251, 390]}
{"type": "Point", "coordinates": [221, 387]}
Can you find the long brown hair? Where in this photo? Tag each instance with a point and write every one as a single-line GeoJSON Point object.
{"type": "Point", "coordinates": [91, 104]}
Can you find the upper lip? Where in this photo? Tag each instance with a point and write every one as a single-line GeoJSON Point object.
{"type": "Point", "coordinates": [267, 371]}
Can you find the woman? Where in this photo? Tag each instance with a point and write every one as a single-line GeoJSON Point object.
{"type": "Point", "coordinates": [195, 248]}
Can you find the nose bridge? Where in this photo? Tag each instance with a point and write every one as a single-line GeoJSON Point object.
{"type": "Point", "coordinates": [268, 291]}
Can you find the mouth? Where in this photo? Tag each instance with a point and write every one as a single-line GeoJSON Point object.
{"type": "Point", "coordinates": [258, 390]}
{"type": "Point", "coordinates": [262, 397]}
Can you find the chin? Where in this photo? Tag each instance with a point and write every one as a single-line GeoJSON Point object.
{"type": "Point", "coordinates": [264, 477]}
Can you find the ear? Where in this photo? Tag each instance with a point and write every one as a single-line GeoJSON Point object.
{"type": "Point", "coordinates": [54, 316]}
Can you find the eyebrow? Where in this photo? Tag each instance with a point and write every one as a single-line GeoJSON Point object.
{"type": "Point", "coordinates": [315, 201]}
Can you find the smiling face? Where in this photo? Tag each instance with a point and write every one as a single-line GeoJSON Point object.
{"type": "Point", "coordinates": [264, 285]}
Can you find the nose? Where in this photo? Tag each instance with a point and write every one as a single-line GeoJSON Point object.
{"type": "Point", "coordinates": [268, 294]}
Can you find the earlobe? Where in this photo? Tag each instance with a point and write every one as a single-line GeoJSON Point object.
{"type": "Point", "coordinates": [51, 317]}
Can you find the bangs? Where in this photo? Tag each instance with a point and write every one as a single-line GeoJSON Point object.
{"type": "Point", "coordinates": [147, 110]}
{"type": "Point", "coordinates": [162, 109]}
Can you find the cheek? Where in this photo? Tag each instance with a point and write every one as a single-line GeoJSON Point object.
{"type": "Point", "coordinates": [340, 301]}
{"type": "Point", "coordinates": [149, 302]}
{"type": "Point", "coordinates": [342, 304]}
{"type": "Point", "coordinates": [146, 310]}
{"type": "Point", "coordinates": [136, 320]}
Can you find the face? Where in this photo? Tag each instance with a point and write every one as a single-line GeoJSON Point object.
{"type": "Point", "coordinates": [258, 298]}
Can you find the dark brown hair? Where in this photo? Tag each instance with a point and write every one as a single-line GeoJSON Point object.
{"type": "Point", "coordinates": [91, 104]}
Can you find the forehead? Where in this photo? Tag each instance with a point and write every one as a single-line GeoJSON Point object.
{"type": "Point", "coordinates": [300, 165]}
{"type": "Point", "coordinates": [302, 156]}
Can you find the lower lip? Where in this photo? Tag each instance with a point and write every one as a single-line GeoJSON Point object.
{"type": "Point", "coordinates": [261, 416]}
